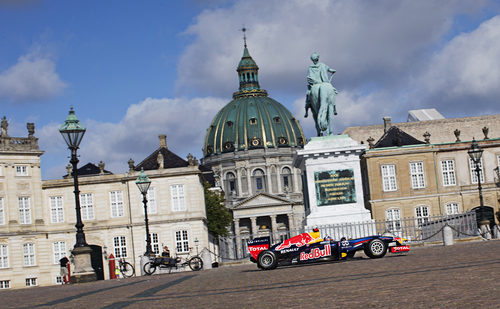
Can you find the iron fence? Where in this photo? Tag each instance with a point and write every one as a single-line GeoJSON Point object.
{"type": "Point", "coordinates": [415, 230]}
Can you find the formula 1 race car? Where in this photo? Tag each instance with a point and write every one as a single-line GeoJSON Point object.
{"type": "Point", "coordinates": [309, 248]}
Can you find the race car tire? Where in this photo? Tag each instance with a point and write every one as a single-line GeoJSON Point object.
{"type": "Point", "coordinates": [376, 249]}
{"type": "Point", "coordinates": [267, 260]}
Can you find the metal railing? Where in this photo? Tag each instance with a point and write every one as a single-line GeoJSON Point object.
{"type": "Point", "coordinates": [416, 230]}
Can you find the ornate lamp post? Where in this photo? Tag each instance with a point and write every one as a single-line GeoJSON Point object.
{"type": "Point", "coordinates": [475, 152]}
{"type": "Point", "coordinates": [143, 183]}
{"type": "Point", "coordinates": [72, 131]}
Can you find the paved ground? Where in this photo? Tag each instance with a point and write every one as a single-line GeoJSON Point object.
{"type": "Point", "coordinates": [461, 276]}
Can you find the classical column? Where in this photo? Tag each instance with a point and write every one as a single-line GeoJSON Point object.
{"type": "Point", "coordinates": [291, 225]}
{"type": "Point", "coordinates": [249, 183]}
{"type": "Point", "coordinates": [295, 180]}
{"type": "Point", "coordinates": [255, 230]}
{"type": "Point", "coordinates": [279, 179]}
{"type": "Point", "coordinates": [238, 177]}
{"type": "Point", "coordinates": [269, 179]}
{"type": "Point", "coordinates": [274, 228]}
{"type": "Point", "coordinates": [237, 237]}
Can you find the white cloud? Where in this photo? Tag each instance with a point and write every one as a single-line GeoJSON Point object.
{"type": "Point", "coordinates": [466, 72]}
{"type": "Point", "coordinates": [136, 135]}
{"type": "Point", "coordinates": [32, 78]}
{"type": "Point", "coordinates": [368, 42]}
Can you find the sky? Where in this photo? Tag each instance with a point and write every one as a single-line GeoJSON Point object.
{"type": "Point", "coordinates": [135, 69]}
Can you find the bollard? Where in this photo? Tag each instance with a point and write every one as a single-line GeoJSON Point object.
{"type": "Point", "coordinates": [207, 259]}
{"type": "Point", "coordinates": [447, 235]}
{"type": "Point", "coordinates": [144, 260]}
{"type": "Point", "coordinates": [485, 229]}
{"type": "Point", "coordinates": [496, 232]}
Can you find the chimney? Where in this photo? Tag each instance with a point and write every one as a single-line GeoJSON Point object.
{"type": "Point", "coordinates": [163, 140]}
{"type": "Point", "coordinates": [387, 123]}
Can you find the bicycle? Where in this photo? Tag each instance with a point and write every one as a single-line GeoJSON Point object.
{"type": "Point", "coordinates": [126, 269]}
{"type": "Point", "coordinates": [195, 263]}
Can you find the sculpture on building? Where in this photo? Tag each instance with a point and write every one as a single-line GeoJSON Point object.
{"type": "Point", "coordinates": [320, 97]}
{"type": "Point", "coordinates": [4, 126]}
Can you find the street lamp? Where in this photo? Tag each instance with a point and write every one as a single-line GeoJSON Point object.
{"type": "Point", "coordinates": [143, 183]}
{"type": "Point", "coordinates": [72, 131]}
{"type": "Point", "coordinates": [475, 152]}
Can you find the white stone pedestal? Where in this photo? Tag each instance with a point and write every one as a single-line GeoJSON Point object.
{"type": "Point", "coordinates": [331, 175]}
{"type": "Point", "coordinates": [82, 271]}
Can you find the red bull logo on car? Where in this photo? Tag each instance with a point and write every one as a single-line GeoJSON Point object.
{"type": "Point", "coordinates": [316, 253]}
{"type": "Point", "coordinates": [299, 241]}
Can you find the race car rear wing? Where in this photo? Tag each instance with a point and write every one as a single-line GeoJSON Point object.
{"type": "Point", "coordinates": [257, 245]}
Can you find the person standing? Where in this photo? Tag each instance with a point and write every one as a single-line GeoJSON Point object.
{"type": "Point", "coordinates": [64, 270]}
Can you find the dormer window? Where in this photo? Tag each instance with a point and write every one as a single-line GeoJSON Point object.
{"type": "Point", "coordinates": [229, 124]}
{"type": "Point", "coordinates": [253, 121]}
{"type": "Point", "coordinates": [276, 119]}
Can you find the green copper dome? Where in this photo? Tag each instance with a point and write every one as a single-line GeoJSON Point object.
{"type": "Point", "coordinates": [252, 119]}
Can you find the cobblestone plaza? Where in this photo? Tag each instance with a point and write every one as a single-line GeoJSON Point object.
{"type": "Point", "coordinates": [461, 276]}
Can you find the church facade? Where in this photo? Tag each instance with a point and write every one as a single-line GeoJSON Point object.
{"type": "Point", "coordinates": [250, 146]}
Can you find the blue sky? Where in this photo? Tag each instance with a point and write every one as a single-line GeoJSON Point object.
{"type": "Point", "coordinates": [136, 69]}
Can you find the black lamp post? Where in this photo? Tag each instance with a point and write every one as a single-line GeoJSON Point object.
{"type": "Point", "coordinates": [143, 183]}
{"type": "Point", "coordinates": [72, 131]}
{"type": "Point", "coordinates": [475, 152]}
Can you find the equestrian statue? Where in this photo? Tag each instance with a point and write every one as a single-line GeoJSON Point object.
{"type": "Point", "coordinates": [320, 97]}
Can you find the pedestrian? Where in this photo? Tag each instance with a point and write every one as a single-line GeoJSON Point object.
{"type": "Point", "coordinates": [64, 270]}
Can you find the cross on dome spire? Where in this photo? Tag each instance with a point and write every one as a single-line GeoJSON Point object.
{"type": "Point", "coordinates": [244, 35]}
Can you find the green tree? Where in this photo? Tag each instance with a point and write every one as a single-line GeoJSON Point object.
{"type": "Point", "coordinates": [218, 217]}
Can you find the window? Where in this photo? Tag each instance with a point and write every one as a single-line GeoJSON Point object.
{"type": "Point", "coordinates": [29, 254]}
{"type": "Point", "coordinates": [231, 183]}
{"type": "Point", "coordinates": [286, 175]}
{"type": "Point", "coordinates": [116, 202]}
{"type": "Point", "coordinates": [59, 251]}
{"type": "Point", "coordinates": [2, 212]}
{"type": "Point", "coordinates": [4, 284]}
{"type": "Point", "coordinates": [452, 209]}
{"type": "Point", "coordinates": [87, 206]}
{"type": "Point", "coordinates": [151, 196]}
{"type": "Point", "coordinates": [448, 172]}
{"type": "Point", "coordinates": [393, 218]}
{"type": "Point", "coordinates": [389, 177]}
{"type": "Point", "coordinates": [31, 282]}
{"type": "Point", "coordinates": [24, 210]}
{"type": "Point", "coordinates": [56, 209]}
{"type": "Point", "coordinates": [120, 245]}
{"type": "Point", "coordinates": [259, 180]}
{"type": "Point", "coordinates": [4, 256]}
{"type": "Point", "coordinates": [21, 170]}
{"type": "Point", "coordinates": [417, 175]}
{"type": "Point", "coordinates": [473, 173]}
{"type": "Point", "coordinates": [178, 200]}
{"type": "Point", "coordinates": [155, 243]}
{"type": "Point", "coordinates": [422, 215]}
{"type": "Point", "coordinates": [181, 241]}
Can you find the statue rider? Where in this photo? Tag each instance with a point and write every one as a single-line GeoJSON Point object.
{"type": "Point", "coordinates": [316, 74]}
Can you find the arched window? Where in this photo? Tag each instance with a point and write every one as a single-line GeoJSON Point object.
{"type": "Point", "coordinates": [286, 178]}
{"type": "Point", "coordinates": [230, 183]}
{"type": "Point", "coordinates": [248, 77]}
{"type": "Point", "coordinates": [259, 180]}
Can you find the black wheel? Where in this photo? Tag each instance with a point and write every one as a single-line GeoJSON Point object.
{"type": "Point", "coordinates": [149, 268]}
{"type": "Point", "coordinates": [267, 260]}
{"type": "Point", "coordinates": [376, 248]}
{"type": "Point", "coordinates": [196, 263]}
{"type": "Point", "coordinates": [127, 270]}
